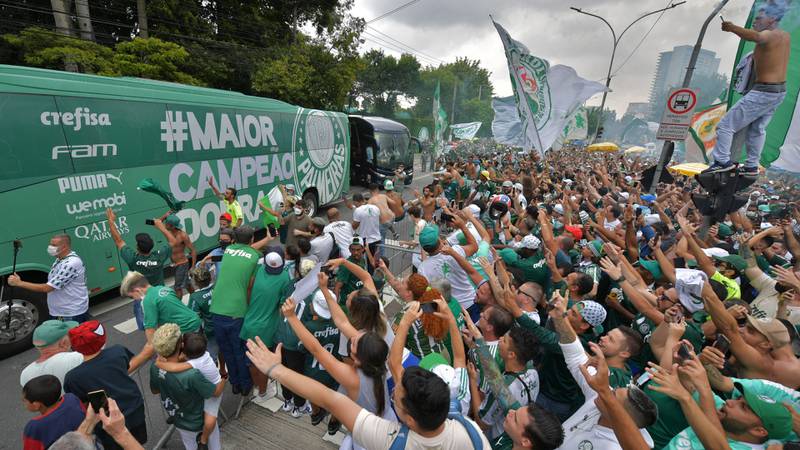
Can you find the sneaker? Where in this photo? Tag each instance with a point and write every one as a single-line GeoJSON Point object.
{"type": "Point", "coordinates": [304, 410]}
{"type": "Point", "coordinates": [272, 389]}
{"type": "Point", "coordinates": [261, 400]}
{"type": "Point", "coordinates": [318, 417]}
{"type": "Point", "coordinates": [170, 420]}
{"type": "Point", "coordinates": [719, 167]}
{"type": "Point", "coordinates": [749, 171]}
{"type": "Point", "coordinates": [333, 426]}
{"type": "Point", "coordinates": [288, 405]}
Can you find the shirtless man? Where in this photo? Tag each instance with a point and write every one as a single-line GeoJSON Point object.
{"type": "Point", "coordinates": [755, 109]}
{"type": "Point", "coordinates": [382, 202]}
{"type": "Point", "coordinates": [170, 226]}
{"type": "Point", "coordinates": [426, 201]}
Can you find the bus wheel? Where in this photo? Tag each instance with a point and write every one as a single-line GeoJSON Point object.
{"type": "Point", "coordinates": [17, 323]}
{"type": "Point", "coordinates": [310, 199]}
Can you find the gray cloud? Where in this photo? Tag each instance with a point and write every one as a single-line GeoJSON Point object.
{"type": "Point", "coordinates": [446, 29]}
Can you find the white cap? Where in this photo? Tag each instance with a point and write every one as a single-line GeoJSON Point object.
{"type": "Point", "coordinates": [628, 178]}
{"type": "Point", "coordinates": [518, 186]}
{"type": "Point", "coordinates": [290, 187]}
{"type": "Point", "coordinates": [474, 209]}
{"type": "Point", "coordinates": [388, 185]}
{"type": "Point", "coordinates": [624, 195]}
{"type": "Point", "coordinates": [559, 209]}
{"type": "Point", "coordinates": [715, 251]}
{"type": "Point", "coordinates": [321, 306]}
{"type": "Point", "coordinates": [508, 183]}
{"type": "Point", "coordinates": [530, 241]}
{"type": "Point", "coordinates": [273, 262]}
{"type": "Point", "coordinates": [651, 219]}
{"type": "Point", "coordinates": [566, 181]}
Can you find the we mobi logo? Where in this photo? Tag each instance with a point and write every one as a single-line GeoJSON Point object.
{"type": "Point", "coordinates": [99, 204]}
{"type": "Point", "coordinates": [216, 131]}
{"type": "Point", "coordinates": [81, 117]}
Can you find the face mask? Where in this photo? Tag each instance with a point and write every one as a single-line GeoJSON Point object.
{"type": "Point", "coordinates": [223, 244]}
{"type": "Point", "coordinates": [298, 211]}
{"type": "Point", "coordinates": [52, 250]}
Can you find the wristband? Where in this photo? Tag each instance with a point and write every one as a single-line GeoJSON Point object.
{"type": "Point", "coordinates": [620, 279]}
{"type": "Point", "coordinates": [269, 371]}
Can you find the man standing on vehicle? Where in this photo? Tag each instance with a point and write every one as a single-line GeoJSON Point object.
{"type": "Point", "coordinates": [144, 260]}
{"type": "Point", "coordinates": [67, 296]}
{"type": "Point", "coordinates": [366, 222]}
{"type": "Point", "coordinates": [232, 205]}
{"type": "Point", "coordinates": [179, 241]}
{"type": "Point", "coordinates": [342, 231]}
{"type": "Point", "coordinates": [770, 60]}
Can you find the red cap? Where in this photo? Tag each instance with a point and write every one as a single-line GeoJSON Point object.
{"type": "Point", "coordinates": [88, 338]}
{"type": "Point", "coordinates": [227, 217]}
{"type": "Point", "coordinates": [576, 231]}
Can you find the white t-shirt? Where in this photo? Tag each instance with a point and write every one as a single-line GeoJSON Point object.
{"type": "Point", "coordinates": [321, 247]}
{"type": "Point", "coordinates": [57, 365]}
{"type": "Point", "coordinates": [493, 415]}
{"type": "Point", "coordinates": [205, 364]}
{"type": "Point", "coordinates": [69, 296]}
{"type": "Point", "coordinates": [523, 202]}
{"type": "Point", "coordinates": [612, 226]}
{"type": "Point", "coordinates": [374, 433]}
{"type": "Point", "coordinates": [342, 234]}
{"type": "Point", "coordinates": [369, 222]}
{"type": "Point", "coordinates": [444, 266]}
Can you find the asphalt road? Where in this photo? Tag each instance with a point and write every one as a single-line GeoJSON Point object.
{"type": "Point", "coordinates": [117, 316]}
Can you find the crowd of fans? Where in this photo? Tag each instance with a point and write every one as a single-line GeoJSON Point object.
{"type": "Point", "coordinates": [552, 304]}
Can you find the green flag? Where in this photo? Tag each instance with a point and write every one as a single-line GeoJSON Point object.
{"type": "Point", "coordinates": [439, 121]}
{"type": "Point", "coordinates": [152, 186]}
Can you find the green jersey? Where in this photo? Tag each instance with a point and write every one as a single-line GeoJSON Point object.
{"type": "Point", "coordinates": [328, 336]}
{"type": "Point", "coordinates": [450, 190]}
{"type": "Point", "coordinates": [239, 263]}
{"type": "Point", "coordinates": [645, 327]}
{"type": "Point", "coordinates": [455, 308]}
{"type": "Point", "coordinates": [262, 317]}
{"type": "Point", "coordinates": [349, 281]}
{"type": "Point", "coordinates": [200, 303]}
{"type": "Point", "coordinates": [503, 442]}
{"type": "Point", "coordinates": [484, 190]}
{"type": "Point", "coordinates": [417, 342]}
{"type": "Point", "coordinates": [533, 269]}
{"type": "Point", "coordinates": [619, 377]}
{"type": "Point", "coordinates": [151, 266]}
{"type": "Point", "coordinates": [182, 394]}
{"type": "Point", "coordinates": [161, 305]}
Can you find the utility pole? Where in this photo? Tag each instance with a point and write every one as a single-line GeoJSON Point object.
{"type": "Point", "coordinates": [480, 86]}
{"type": "Point", "coordinates": [141, 10]}
{"type": "Point", "coordinates": [63, 21]}
{"type": "Point", "coordinates": [84, 19]}
{"type": "Point", "coordinates": [616, 40]}
{"type": "Point", "coordinates": [669, 146]}
{"type": "Point", "coordinates": [453, 115]}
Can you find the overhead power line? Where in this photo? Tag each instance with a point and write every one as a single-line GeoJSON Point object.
{"type": "Point", "coordinates": [403, 44]}
{"type": "Point", "coordinates": [389, 13]}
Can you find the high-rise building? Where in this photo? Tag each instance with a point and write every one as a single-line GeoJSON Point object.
{"type": "Point", "coordinates": [671, 68]}
{"type": "Point", "coordinates": [640, 110]}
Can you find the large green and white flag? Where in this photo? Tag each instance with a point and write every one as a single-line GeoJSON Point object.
{"type": "Point", "coordinates": [577, 126]}
{"type": "Point", "coordinates": [439, 121]}
{"type": "Point", "coordinates": [465, 130]}
{"type": "Point", "coordinates": [546, 96]}
{"type": "Point", "coordinates": [782, 146]}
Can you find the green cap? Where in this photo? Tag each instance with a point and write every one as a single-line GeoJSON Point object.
{"type": "Point", "coordinates": [653, 267]}
{"type": "Point", "coordinates": [764, 208]}
{"type": "Point", "coordinates": [173, 220]}
{"type": "Point", "coordinates": [432, 360]}
{"type": "Point", "coordinates": [777, 420]}
{"type": "Point", "coordinates": [436, 363]}
{"type": "Point", "coordinates": [51, 331]}
{"type": "Point", "coordinates": [429, 236]}
{"type": "Point", "coordinates": [724, 231]}
{"type": "Point", "coordinates": [734, 260]}
{"type": "Point", "coordinates": [596, 246]}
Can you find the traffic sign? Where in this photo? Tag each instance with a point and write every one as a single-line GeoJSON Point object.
{"type": "Point", "coordinates": [677, 115]}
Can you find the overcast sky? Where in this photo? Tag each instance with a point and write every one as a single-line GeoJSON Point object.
{"type": "Point", "coordinates": [446, 29]}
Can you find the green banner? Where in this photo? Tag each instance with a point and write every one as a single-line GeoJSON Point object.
{"type": "Point", "coordinates": [439, 120]}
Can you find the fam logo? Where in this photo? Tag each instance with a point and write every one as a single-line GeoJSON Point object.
{"type": "Point", "coordinates": [320, 156]}
{"type": "Point", "coordinates": [87, 182]}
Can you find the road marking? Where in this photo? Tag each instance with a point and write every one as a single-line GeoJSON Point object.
{"type": "Point", "coordinates": [109, 305]}
{"type": "Point", "coordinates": [127, 327]}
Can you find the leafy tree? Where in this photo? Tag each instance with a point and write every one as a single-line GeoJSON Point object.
{"type": "Point", "coordinates": [152, 58]}
{"type": "Point", "coordinates": [385, 78]}
{"type": "Point", "coordinates": [42, 48]}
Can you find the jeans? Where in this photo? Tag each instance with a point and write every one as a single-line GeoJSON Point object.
{"type": "Point", "coordinates": [226, 332]}
{"type": "Point", "coordinates": [562, 410]}
{"type": "Point", "coordinates": [80, 318]}
{"type": "Point", "coordinates": [293, 360]}
{"type": "Point", "coordinates": [754, 110]}
{"type": "Point", "coordinates": [138, 314]}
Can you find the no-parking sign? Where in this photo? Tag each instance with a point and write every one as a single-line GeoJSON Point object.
{"type": "Point", "coordinates": [677, 115]}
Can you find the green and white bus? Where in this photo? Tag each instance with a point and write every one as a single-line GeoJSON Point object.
{"type": "Point", "coordinates": [72, 145]}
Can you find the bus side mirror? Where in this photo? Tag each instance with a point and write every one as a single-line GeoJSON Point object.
{"type": "Point", "coordinates": [415, 145]}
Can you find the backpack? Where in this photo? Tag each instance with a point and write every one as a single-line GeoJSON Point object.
{"type": "Point", "coordinates": [401, 439]}
{"type": "Point", "coordinates": [335, 250]}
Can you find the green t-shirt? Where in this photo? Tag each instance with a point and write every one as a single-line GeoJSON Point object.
{"type": "Point", "coordinates": [619, 377]}
{"type": "Point", "coordinates": [349, 281]}
{"type": "Point", "coordinates": [670, 421]}
{"type": "Point", "coordinates": [200, 302]}
{"type": "Point", "coordinates": [533, 269]}
{"type": "Point", "coordinates": [328, 336]}
{"type": "Point", "coordinates": [417, 342]}
{"type": "Point", "coordinates": [182, 394]}
{"type": "Point", "coordinates": [268, 294]}
{"type": "Point", "coordinates": [646, 327]}
{"type": "Point", "coordinates": [450, 190]}
{"type": "Point", "coordinates": [161, 305]}
{"type": "Point", "coordinates": [502, 442]}
{"type": "Point", "coordinates": [455, 308]}
{"type": "Point", "coordinates": [484, 190]}
{"type": "Point", "coordinates": [151, 266]}
{"type": "Point", "coordinates": [238, 265]}
{"type": "Point", "coordinates": [285, 334]}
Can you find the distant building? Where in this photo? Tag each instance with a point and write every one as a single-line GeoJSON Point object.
{"type": "Point", "coordinates": [671, 68]}
{"type": "Point", "coordinates": [640, 110]}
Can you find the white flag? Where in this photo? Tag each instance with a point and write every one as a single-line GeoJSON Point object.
{"type": "Point", "coordinates": [546, 96]}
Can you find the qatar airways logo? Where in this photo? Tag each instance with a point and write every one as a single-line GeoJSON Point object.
{"type": "Point", "coordinates": [81, 117]}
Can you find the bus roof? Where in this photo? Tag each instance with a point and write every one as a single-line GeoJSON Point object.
{"type": "Point", "coordinates": [28, 80]}
{"type": "Point", "coordinates": [383, 124]}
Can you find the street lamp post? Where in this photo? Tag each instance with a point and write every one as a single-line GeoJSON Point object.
{"type": "Point", "coordinates": [614, 49]}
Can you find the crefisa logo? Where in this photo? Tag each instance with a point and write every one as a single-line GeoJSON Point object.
{"type": "Point", "coordinates": [81, 117]}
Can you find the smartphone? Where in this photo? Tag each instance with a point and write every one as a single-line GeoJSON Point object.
{"type": "Point", "coordinates": [643, 379]}
{"type": "Point", "coordinates": [447, 218]}
{"type": "Point", "coordinates": [98, 400]}
{"type": "Point", "coordinates": [149, 222]}
{"type": "Point", "coordinates": [684, 354]}
{"type": "Point", "coordinates": [429, 307]}
{"type": "Point", "coordinates": [272, 230]}
{"type": "Point", "coordinates": [216, 258]}
{"type": "Point", "coordinates": [722, 344]}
